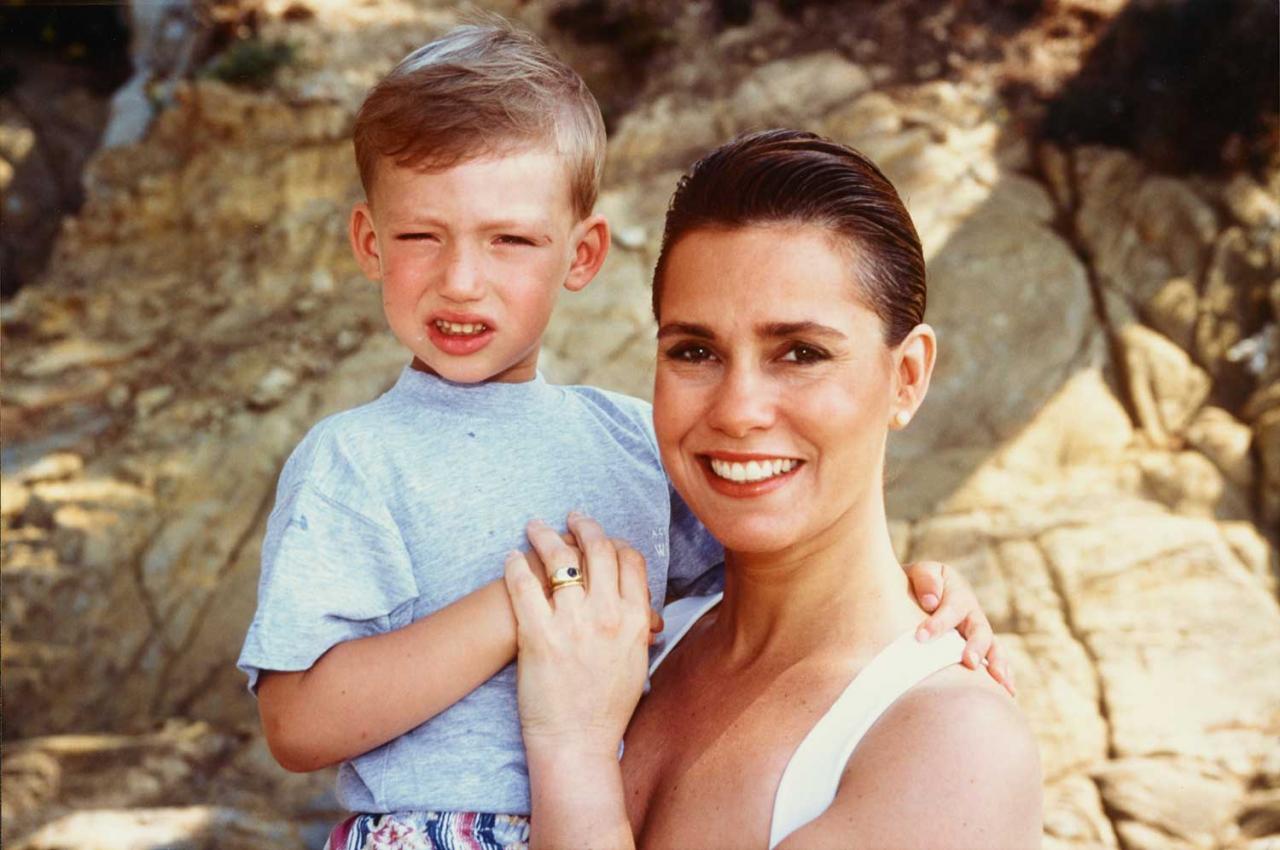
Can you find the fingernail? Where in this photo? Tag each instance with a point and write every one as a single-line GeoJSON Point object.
{"type": "Point", "coordinates": [922, 634]}
{"type": "Point", "coordinates": [971, 658]}
{"type": "Point", "coordinates": [575, 515]}
{"type": "Point", "coordinates": [929, 601]}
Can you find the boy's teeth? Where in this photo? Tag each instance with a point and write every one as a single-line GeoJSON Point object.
{"type": "Point", "coordinates": [463, 329]}
{"type": "Point", "coordinates": [752, 470]}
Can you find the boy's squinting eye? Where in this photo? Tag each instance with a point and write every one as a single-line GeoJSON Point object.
{"type": "Point", "coordinates": [415, 237]}
{"type": "Point", "coordinates": [512, 239]}
{"type": "Point", "coordinates": [803, 353]}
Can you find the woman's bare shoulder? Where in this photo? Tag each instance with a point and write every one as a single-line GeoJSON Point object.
{"type": "Point", "coordinates": [951, 764]}
{"type": "Point", "coordinates": [959, 706]}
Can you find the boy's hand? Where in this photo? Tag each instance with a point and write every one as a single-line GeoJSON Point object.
{"type": "Point", "coordinates": [953, 605]}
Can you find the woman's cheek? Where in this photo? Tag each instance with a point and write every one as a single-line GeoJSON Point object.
{"type": "Point", "coordinates": [673, 412]}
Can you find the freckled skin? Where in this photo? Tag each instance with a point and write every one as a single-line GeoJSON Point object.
{"type": "Point", "coordinates": [492, 240]}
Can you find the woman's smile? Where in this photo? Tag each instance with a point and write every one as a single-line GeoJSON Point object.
{"type": "Point", "coordinates": [747, 475]}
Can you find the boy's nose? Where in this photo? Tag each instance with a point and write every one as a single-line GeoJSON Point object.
{"type": "Point", "coordinates": [743, 402]}
{"type": "Point", "coordinates": [463, 277]}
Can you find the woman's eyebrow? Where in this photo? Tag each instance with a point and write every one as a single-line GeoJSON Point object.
{"type": "Point", "coordinates": [685, 329]}
{"type": "Point", "coordinates": [775, 329]}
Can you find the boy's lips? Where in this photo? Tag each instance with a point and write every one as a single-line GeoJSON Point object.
{"type": "Point", "coordinates": [459, 334]}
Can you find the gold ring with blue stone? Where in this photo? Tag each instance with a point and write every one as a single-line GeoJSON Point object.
{"type": "Point", "coordinates": [568, 577]}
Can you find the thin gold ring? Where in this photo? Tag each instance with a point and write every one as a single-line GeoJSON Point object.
{"type": "Point", "coordinates": [567, 577]}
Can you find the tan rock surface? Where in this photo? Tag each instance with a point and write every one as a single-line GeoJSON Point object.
{"type": "Point", "coordinates": [1090, 456]}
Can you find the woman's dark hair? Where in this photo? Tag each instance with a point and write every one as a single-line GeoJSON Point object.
{"type": "Point", "coordinates": [786, 176]}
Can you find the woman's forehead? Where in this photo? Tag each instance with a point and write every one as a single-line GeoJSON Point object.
{"type": "Point", "coordinates": [788, 273]}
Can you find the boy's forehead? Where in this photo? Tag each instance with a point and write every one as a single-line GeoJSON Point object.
{"type": "Point", "coordinates": [514, 166]}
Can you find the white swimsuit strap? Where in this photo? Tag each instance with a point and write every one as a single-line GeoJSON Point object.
{"type": "Point", "coordinates": [813, 774]}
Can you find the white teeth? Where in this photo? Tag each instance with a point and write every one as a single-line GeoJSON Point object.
{"type": "Point", "coordinates": [752, 470]}
{"type": "Point", "coordinates": [464, 329]}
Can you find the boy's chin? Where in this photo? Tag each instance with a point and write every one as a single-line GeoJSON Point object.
{"type": "Point", "coordinates": [455, 374]}
{"type": "Point", "coordinates": [474, 372]}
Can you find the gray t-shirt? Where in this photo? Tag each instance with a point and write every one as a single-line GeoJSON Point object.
{"type": "Point", "coordinates": [392, 510]}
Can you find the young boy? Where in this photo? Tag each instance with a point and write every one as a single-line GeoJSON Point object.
{"type": "Point", "coordinates": [384, 635]}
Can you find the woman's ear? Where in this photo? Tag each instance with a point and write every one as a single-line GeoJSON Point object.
{"type": "Point", "coordinates": [364, 241]}
{"type": "Point", "coordinates": [591, 237]}
{"type": "Point", "coordinates": [913, 361]}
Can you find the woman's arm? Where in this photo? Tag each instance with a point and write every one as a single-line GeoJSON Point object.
{"type": "Point", "coordinates": [951, 766]}
{"type": "Point", "coordinates": [582, 663]}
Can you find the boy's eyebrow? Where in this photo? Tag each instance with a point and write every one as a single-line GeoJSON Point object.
{"type": "Point", "coordinates": [516, 224]}
{"type": "Point", "coordinates": [494, 224]}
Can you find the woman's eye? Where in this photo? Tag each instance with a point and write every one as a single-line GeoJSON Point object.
{"type": "Point", "coordinates": [691, 353]}
{"type": "Point", "coordinates": [800, 353]}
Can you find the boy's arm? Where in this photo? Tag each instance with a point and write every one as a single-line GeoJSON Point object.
{"type": "Point", "coordinates": [952, 604]}
{"type": "Point", "coordinates": [367, 691]}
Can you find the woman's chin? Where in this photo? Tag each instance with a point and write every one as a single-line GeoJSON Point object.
{"type": "Point", "coordinates": [761, 537]}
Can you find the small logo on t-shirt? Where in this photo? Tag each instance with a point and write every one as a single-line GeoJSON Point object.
{"type": "Point", "coordinates": [300, 520]}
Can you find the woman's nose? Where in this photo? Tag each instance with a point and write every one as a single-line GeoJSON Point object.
{"type": "Point", "coordinates": [744, 402]}
{"type": "Point", "coordinates": [463, 276]}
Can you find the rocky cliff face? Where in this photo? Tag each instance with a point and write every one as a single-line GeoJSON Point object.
{"type": "Point", "coordinates": [1100, 453]}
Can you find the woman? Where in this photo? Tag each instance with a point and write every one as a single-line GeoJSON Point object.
{"type": "Point", "coordinates": [797, 711]}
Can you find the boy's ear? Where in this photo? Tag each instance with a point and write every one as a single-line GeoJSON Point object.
{"type": "Point", "coordinates": [913, 361]}
{"type": "Point", "coordinates": [592, 235]}
{"type": "Point", "coordinates": [364, 241]}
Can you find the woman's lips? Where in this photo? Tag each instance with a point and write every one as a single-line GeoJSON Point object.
{"type": "Point", "coordinates": [747, 475]}
{"type": "Point", "coordinates": [459, 335]}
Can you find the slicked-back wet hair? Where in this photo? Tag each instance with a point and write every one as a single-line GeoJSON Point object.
{"type": "Point", "coordinates": [482, 90]}
{"type": "Point", "coordinates": [789, 177]}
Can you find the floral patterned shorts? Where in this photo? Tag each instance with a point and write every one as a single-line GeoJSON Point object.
{"type": "Point", "coordinates": [431, 831]}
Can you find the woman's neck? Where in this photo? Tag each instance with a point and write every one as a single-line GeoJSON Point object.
{"type": "Point", "coordinates": [841, 591]}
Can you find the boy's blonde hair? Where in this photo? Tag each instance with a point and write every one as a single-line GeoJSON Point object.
{"type": "Point", "coordinates": [481, 90]}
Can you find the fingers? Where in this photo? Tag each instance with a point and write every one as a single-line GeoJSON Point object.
{"type": "Point", "coordinates": [632, 583]}
{"type": "Point", "coordinates": [998, 667]}
{"type": "Point", "coordinates": [978, 637]}
{"type": "Point", "coordinates": [555, 555]}
{"type": "Point", "coordinates": [956, 603]}
{"type": "Point", "coordinates": [928, 581]}
{"type": "Point", "coordinates": [539, 569]}
{"type": "Point", "coordinates": [599, 554]}
{"type": "Point", "coordinates": [528, 600]}
{"type": "Point", "coordinates": [656, 623]}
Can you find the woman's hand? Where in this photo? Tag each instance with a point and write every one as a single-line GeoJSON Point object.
{"type": "Point", "coordinates": [581, 665]}
{"type": "Point", "coordinates": [952, 604]}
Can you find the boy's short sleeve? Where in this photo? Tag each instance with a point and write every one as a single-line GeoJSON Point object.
{"type": "Point", "coordinates": [696, 567]}
{"type": "Point", "coordinates": [330, 573]}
